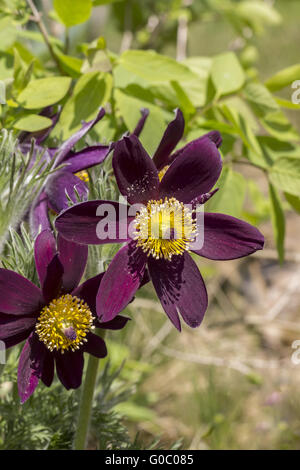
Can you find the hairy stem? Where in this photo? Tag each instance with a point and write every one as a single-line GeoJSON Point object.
{"type": "Point", "coordinates": [86, 401]}
{"type": "Point", "coordinates": [37, 18]}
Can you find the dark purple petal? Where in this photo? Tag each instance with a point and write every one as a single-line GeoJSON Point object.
{"type": "Point", "coordinates": [48, 369]}
{"type": "Point", "coordinates": [135, 172]}
{"type": "Point", "coordinates": [203, 198]}
{"type": "Point", "coordinates": [95, 346]}
{"type": "Point", "coordinates": [87, 158]}
{"type": "Point", "coordinates": [226, 237]}
{"type": "Point", "coordinates": [30, 366]}
{"type": "Point", "coordinates": [121, 281]}
{"type": "Point", "coordinates": [81, 224]}
{"type": "Point", "coordinates": [44, 154]}
{"type": "Point", "coordinates": [88, 291]}
{"type": "Point", "coordinates": [44, 252]}
{"type": "Point", "coordinates": [69, 144]}
{"type": "Point", "coordinates": [141, 123]}
{"type": "Point", "coordinates": [38, 217]}
{"type": "Point", "coordinates": [59, 185]}
{"type": "Point", "coordinates": [170, 139]}
{"type": "Point", "coordinates": [116, 324]}
{"type": "Point", "coordinates": [214, 136]}
{"type": "Point", "coordinates": [180, 288]}
{"type": "Point", "coordinates": [18, 296]}
{"type": "Point", "coordinates": [69, 367]}
{"type": "Point", "coordinates": [194, 172]}
{"type": "Point", "coordinates": [13, 327]}
{"type": "Point", "coordinates": [73, 257]}
{"type": "Point", "coordinates": [53, 279]}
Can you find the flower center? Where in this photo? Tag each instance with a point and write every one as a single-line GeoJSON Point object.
{"type": "Point", "coordinates": [83, 175]}
{"type": "Point", "coordinates": [164, 228]}
{"type": "Point", "coordinates": [64, 323]}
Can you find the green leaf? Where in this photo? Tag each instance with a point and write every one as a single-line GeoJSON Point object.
{"type": "Point", "coordinates": [261, 99]}
{"type": "Point", "coordinates": [285, 175]}
{"type": "Point", "coordinates": [254, 11]}
{"type": "Point", "coordinates": [227, 74]}
{"type": "Point", "coordinates": [286, 104]}
{"type": "Point", "coordinates": [155, 67]}
{"type": "Point", "coordinates": [278, 221]}
{"type": "Point", "coordinates": [32, 123]}
{"type": "Point", "coordinates": [283, 78]}
{"type": "Point", "coordinates": [72, 12]}
{"type": "Point", "coordinates": [294, 201]}
{"type": "Point", "coordinates": [129, 107]}
{"type": "Point", "coordinates": [91, 91]}
{"type": "Point", "coordinates": [184, 102]}
{"type": "Point", "coordinates": [197, 89]}
{"type": "Point", "coordinates": [70, 65]}
{"type": "Point", "coordinates": [231, 195]}
{"type": "Point", "coordinates": [44, 92]}
{"type": "Point", "coordinates": [8, 33]}
{"type": "Point", "coordinates": [280, 127]}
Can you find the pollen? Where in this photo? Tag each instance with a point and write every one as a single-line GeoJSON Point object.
{"type": "Point", "coordinates": [83, 175]}
{"type": "Point", "coordinates": [162, 172]}
{"type": "Point", "coordinates": [64, 323]}
{"type": "Point", "coordinates": [164, 228]}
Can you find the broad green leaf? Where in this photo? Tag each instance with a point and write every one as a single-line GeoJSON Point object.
{"type": "Point", "coordinates": [227, 74]}
{"type": "Point", "coordinates": [257, 11]}
{"type": "Point", "coordinates": [155, 67]}
{"type": "Point", "coordinates": [129, 107]}
{"type": "Point", "coordinates": [283, 78]}
{"type": "Point", "coordinates": [72, 12]}
{"type": "Point", "coordinates": [32, 123]}
{"type": "Point", "coordinates": [273, 148]}
{"type": "Point", "coordinates": [231, 195]}
{"type": "Point", "coordinates": [294, 201]}
{"type": "Point", "coordinates": [197, 89]}
{"type": "Point", "coordinates": [236, 103]}
{"type": "Point", "coordinates": [278, 221]}
{"type": "Point", "coordinates": [70, 65]}
{"type": "Point", "coordinates": [285, 175]}
{"type": "Point", "coordinates": [261, 99]}
{"type": "Point", "coordinates": [91, 91]}
{"type": "Point", "coordinates": [8, 33]}
{"type": "Point", "coordinates": [280, 127]}
{"type": "Point", "coordinates": [184, 102]}
{"type": "Point", "coordinates": [44, 92]}
{"type": "Point", "coordinates": [286, 103]}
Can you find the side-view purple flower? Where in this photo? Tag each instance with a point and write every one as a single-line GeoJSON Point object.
{"type": "Point", "coordinates": [56, 320]}
{"type": "Point", "coordinates": [164, 185]}
{"type": "Point", "coordinates": [71, 179]}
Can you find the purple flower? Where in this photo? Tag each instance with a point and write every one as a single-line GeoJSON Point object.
{"type": "Point", "coordinates": [56, 320]}
{"type": "Point", "coordinates": [71, 179]}
{"type": "Point", "coordinates": [164, 185]}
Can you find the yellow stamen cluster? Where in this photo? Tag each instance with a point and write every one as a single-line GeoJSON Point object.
{"type": "Point", "coordinates": [162, 172]}
{"type": "Point", "coordinates": [164, 228]}
{"type": "Point", "coordinates": [83, 175]}
{"type": "Point", "coordinates": [64, 323]}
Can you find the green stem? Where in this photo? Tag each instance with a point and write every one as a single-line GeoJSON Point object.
{"type": "Point", "coordinates": [86, 401]}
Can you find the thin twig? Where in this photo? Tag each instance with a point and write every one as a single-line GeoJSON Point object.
{"type": "Point", "coordinates": [38, 20]}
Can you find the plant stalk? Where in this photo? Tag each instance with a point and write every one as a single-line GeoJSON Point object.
{"type": "Point", "coordinates": [86, 401]}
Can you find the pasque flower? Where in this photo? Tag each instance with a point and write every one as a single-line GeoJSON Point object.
{"type": "Point", "coordinates": [71, 179]}
{"type": "Point", "coordinates": [164, 185]}
{"type": "Point", "coordinates": [56, 320]}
